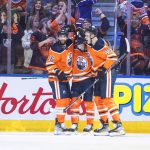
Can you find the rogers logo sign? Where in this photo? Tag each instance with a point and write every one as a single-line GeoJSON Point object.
{"type": "Point", "coordinates": [20, 105]}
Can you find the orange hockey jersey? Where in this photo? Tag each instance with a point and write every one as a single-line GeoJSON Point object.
{"type": "Point", "coordinates": [19, 3]}
{"type": "Point", "coordinates": [15, 3]}
{"type": "Point", "coordinates": [102, 55]}
{"type": "Point", "coordinates": [56, 27]}
{"type": "Point", "coordinates": [81, 65]}
{"type": "Point", "coordinates": [59, 58]}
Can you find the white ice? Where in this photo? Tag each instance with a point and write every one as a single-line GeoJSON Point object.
{"type": "Point", "coordinates": [47, 141]}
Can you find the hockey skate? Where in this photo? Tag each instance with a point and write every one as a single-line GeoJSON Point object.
{"type": "Point", "coordinates": [117, 130]}
{"type": "Point", "coordinates": [73, 129]}
{"type": "Point", "coordinates": [88, 129]}
{"type": "Point", "coordinates": [60, 128]}
{"type": "Point", "coordinates": [104, 130]}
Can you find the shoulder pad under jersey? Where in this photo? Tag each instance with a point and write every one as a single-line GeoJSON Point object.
{"type": "Point", "coordinates": [57, 48]}
{"type": "Point", "coordinates": [69, 42]}
{"type": "Point", "coordinates": [99, 44]}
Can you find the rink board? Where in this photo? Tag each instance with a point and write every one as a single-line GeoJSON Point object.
{"type": "Point", "coordinates": [25, 103]}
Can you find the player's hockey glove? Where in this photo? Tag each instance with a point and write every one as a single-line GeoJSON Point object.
{"type": "Point", "coordinates": [60, 75]}
{"type": "Point", "coordinates": [101, 73]}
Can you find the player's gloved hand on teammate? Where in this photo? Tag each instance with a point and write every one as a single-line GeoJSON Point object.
{"type": "Point", "coordinates": [60, 75]}
{"type": "Point", "coordinates": [101, 73]}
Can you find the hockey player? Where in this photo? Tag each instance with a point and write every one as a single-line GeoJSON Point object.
{"type": "Point", "coordinates": [59, 65]}
{"type": "Point", "coordinates": [103, 58]}
{"type": "Point", "coordinates": [81, 81]}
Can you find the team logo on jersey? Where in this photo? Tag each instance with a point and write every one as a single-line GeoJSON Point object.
{"type": "Point", "coordinates": [69, 59]}
{"type": "Point", "coordinates": [51, 58]}
{"type": "Point", "coordinates": [81, 63]}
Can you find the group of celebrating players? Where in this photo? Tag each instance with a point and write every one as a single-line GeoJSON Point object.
{"type": "Point", "coordinates": [82, 61]}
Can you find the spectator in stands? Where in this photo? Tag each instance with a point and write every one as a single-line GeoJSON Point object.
{"type": "Point", "coordinates": [139, 60]}
{"type": "Point", "coordinates": [3, 4]}
{"type": "Point", "coordinates": [45, 2]}
{"type": "Point", "coordinates": [26, 42]}
{"type": "Point", "coordinates": [3, 36]}
{"type": "Point", "coordinates": [17, 33]}
{"type": "Point", "coordinates": [34, 23]}
{"type": "Point", "coordinates": [139, 28]}
{"type": "Point", "coordinates": [20, 8]}
{"type": "Point", "coordinates": [148, 9]}
{"type": "Point", "coordinates": [104, 23]}
{"type": "Point", "coordinates": [37, 11]}
{"type": "Point", "coordinates": [61, 20]}
{"type": "Point", "coordinates": [29, 6]}
{"type": "Point", "coordinates": [55, 10]}
{"type": "Point", "coordinates": [48, 6]}
{"type": "Point", "coordinates": [40, 44]}
{"type": "Point", "coordinates": [147, 36]}
{"type": "Point", "coordinates": [62, 5]}
{"type": "Point", "coordinates": [85, 6]}
{"type": "Point", "coordinates": [147, 41]}
{"type": "Point", "coordinates": [86, 23]}
{"type": "Point", "coordinates": [48, 9]}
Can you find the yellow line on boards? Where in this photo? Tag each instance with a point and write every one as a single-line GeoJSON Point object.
{"type": "Point", "coordinates": [48, 126]}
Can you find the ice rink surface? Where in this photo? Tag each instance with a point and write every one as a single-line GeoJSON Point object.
{"type": "Point", "coordinates": [48, 141]}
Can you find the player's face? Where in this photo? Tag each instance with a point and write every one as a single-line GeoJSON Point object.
{"type": "Point", "coordinates": [88, 37]}
{"type": "Point", "coordinates": [81, 47]}
{"type": "Point", "coordinates": [62, 38]}
{"type": "Point", "coordinates": [86, 25]}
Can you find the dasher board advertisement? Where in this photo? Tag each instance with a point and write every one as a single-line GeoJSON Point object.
{"type": "Point", "coordinates": [30, 98]}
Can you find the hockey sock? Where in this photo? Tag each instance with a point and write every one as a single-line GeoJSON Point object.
{"type": "Point", "coordinates": [102, 108]}
{"type": "Point", "coordinates": [112, 108]}
{"type": "Point", "coordinates": [89, 111]}
{"type": "Point", "coordinates": [75, 110]}
{"type": "Point", "coordinates": [60, 105]}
